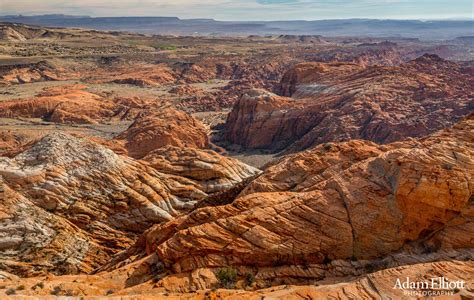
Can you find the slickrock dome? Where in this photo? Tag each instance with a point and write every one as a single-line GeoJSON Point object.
{"type": "Point", "coordinates": [211, 171]}
{"type": "Point", "coordinates": [66, 184]}
{"type": "Point", "coordinates": [334, 210]}
{"type": "Point", "coordinates": [167, 127]}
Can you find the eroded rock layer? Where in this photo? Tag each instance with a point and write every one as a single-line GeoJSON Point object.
{"type": "Point", "coordinates": [343, 101]}
{"type": "Point", "coordinates": [166, 127]}
{"type": "Point", "coordinates": [344, 201]}
{"type": "Point", "coordinates": [64, 184]}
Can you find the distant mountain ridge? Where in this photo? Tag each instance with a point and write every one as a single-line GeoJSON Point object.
{"type": "Point", "coordinates": [435, 29]}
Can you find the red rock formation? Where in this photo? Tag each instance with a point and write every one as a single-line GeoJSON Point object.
{"type": "Point", "coordinates": [72, 104]}
{"type": "Point", "coordinates": [183, 90]}
{"type": "Point", "coordinates": [61, 104]}
{"type": "Point", "coordinates": [108, 199]}
{"type": "Point", "coordinates": [71, 204]}
{"type": "Point", "coordinates": [334, 211]}
{"type": "Point", "coordinates": [26, 73]}
{"type": "Point", "coordinates": [116, 284]}
{"type": "Point", "coordinates": [211, 171]}
{"type": "Point", "coordinates": [257, 117]}
{"type": "Point", "coordinates": [144, 75]}
{"type": "Point", "coordinates": [337, 102]}
{"type": "Point", "coordinates": [11, 142]}
{"type": "Point", "coordinates": [166, 127]}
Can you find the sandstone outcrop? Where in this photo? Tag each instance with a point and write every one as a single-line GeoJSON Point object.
{"type": "Point", "coordinates": [78, 202]}
{"type": "Point", "coordinates": [378, 285]}
{"type": "Point", "coordinates": [72, 104]}
{"type": "Point", "coordinates": [182, 90]}
{"type": "Point", "coordinates": [143, 76]}
{"type": "Point", "coordinates": [339, 209]}
{"type": "Point", "coordinates": [166, 127]}
{"type": "Point", "coordinates": [343, 101]}
{"type": "Point", "coordinates": [61, 104]}
{"type": "Point", "coordinates": [30, 72]}
{"type": "Point", "coordinates": [11, 142]}
{"type": "Point", "coordinates": [106, 198]}
{"type": "Point", "coordinates": [326, 219]}
{"type": "Point", "coordinates": [213, 172]}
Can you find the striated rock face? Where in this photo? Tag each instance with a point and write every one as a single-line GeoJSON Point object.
{"type": "Point", "coordinates": [166, 127]}
{"type": "Point", "coordinates": [104, 199]}
{"type": "Point", "coordinates": [77, 202]}
{"type": "Point", "coordinates": [210, 170]}
{"type": "Point", "coordinates": [303, 78]}
{"type": "Point", "coordinates": [335, 203]}
{"type": "Point", "coordinates": [377, 285]}
{"type": "Point", "coordinates": [65, 104]}
{"type": "Point", "coordinates": [35, 241]}
{"type": "Point", "coordinates": [343, 101]}
{"type": "Point", "coordinates": [11, 142]}
{"type": "Point", "coordinates": [143, 76]}
{"type": "Point", "coordinates": [26, 73]}
{"type": "Point", "coordinates": [258, 115]}
{"type": "Point", "coordinates": [7, 33]}
{"type": "Point", "coordinates": [183, 90]}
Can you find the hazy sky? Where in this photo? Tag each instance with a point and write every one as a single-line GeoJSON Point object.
{"type": "Point", "coordinates": [249, 9]}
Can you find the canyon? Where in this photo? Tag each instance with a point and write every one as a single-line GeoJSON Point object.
{"type": "Point", "coordinates": [143, 166]}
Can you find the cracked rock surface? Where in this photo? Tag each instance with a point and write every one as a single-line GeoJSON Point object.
{"type": "Point", "coordinates": [344, 201]}
{"type": "Point", "coordinates": [78, 202]}
{"type": "Point", "coordinates": [329, 102]}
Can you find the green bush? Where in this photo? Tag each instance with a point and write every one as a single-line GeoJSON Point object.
{"type": "Point", "coordinates": [227, 277]}
{"type": "Point", "coordinates": [249, 279]}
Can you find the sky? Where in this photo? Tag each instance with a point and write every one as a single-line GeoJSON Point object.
{"type": "Point", "coordinates": [246, 10]}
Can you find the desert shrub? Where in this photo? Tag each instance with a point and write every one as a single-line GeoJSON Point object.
{"type": "Point", "coordinates": [56, 290]}
{"type": "Point", "coordinates": [227, 277]}
{"type": "Point", "coordinates": [38, 285]}
{"type": "Point", "coordinates": [376, 266]}
{"type": "Point", "coordinates": [20, 287]}
{"type": "Point", "coordinates": [249, 279]}
{"type": "Point", "coordinates": [10, 291]}
{"type": "Point", "coordinates": [164, 47]}
{"type": "Point", "coordinates": [327, 146]}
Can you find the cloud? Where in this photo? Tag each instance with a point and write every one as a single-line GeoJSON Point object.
{"type": "Point", "coordinates": [247, 9]}
{"type": "Point", "coordinates": [276, 1]}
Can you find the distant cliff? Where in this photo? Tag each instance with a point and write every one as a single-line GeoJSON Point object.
{"type": "Point", "coordinates": [174, 25]}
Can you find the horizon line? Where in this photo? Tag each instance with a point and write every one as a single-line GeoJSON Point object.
{"type": "Point", "coordinates": [246, 21]}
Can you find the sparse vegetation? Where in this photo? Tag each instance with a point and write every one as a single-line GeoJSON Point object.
{"type": "Point", "coordinates": [376, 266]}
{"type": "Point", "coordinates": [20, 287]}
{"type": "Point", "coordinates": [164, 47]}
{"type": "Point", "coordinates": [227, 277]}
{"type": "Point", "coordinates": [10, 291]}
{"type": "Point", "coordinates": [38, 285]}
{"type": "Point", "coordinates": [249, 279]}
{"type": "Point", "coordinates": [56, 290]}
{"type": "Point", "coordinates": [327, 146]}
